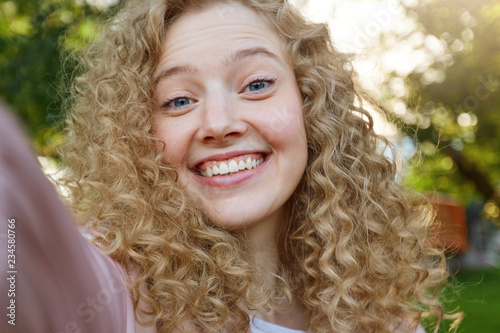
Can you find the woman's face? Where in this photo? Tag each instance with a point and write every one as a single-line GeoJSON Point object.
{"type": "Point", "coordinates": [230, 114]}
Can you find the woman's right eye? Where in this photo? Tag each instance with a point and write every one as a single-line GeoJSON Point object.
{"type": "Point", "coordinates": [177, 102]}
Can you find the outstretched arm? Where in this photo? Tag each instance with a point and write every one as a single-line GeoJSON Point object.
{"type": "Point", "coordinates": [51, 279]}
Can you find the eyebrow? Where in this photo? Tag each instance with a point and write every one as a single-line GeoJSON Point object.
{"type": "Point", "coordinates": [227, 61]}
{"type": "Point", "coordinates": [245, 53]}
{"type": "Point", "coordinates": [174, 71]}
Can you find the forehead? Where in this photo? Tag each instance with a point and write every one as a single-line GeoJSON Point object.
{"type": "Point", "coordinates": [210, 33]}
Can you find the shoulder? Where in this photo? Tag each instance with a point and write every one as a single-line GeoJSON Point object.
{"type": "Point", "coordinates": [420, 329]}
{"type": "Point", "coordinates": [409, 327]}
{"type": "Point", "coordinates": [122, 277]}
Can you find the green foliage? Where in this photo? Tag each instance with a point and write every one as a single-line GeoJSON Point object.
{"type": "Point", "coordinates": [437, 172]}
{"type": "Point", "coordinates": [36, 40]}
{"type": "Point", "coordinates": [453, 106]}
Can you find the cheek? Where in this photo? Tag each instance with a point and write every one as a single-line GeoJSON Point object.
{"type": "Point", "coordinates": [172, 136]}
{"type": "Point", "coordinates": [284, 124]}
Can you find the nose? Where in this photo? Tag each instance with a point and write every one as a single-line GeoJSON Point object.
{"type": "Point", "coordinates": [221, 120]}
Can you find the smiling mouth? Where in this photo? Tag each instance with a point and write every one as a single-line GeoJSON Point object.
{"type": "Point", "coordinates": [230, 166]}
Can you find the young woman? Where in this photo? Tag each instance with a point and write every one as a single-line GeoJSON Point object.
{"type": "Point", "coordinates": [219, 153]}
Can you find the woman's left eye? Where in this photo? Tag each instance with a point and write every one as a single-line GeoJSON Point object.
{"type": "Point", "coordinates": [259, 84]}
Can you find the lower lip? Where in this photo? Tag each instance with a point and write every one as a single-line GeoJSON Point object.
{"type": "Point", "coordinates": [232, 180]}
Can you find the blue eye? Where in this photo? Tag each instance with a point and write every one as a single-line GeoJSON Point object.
{"type": "Point", "coordinates": [177, 102]}
{"type": "Point", "coordinates": [259, 84]}
{"type": "Point", "coordinates": [255, 86]}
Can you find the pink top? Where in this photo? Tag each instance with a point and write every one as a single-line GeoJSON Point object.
{"type": "Point", "coordinates": [52, 279]}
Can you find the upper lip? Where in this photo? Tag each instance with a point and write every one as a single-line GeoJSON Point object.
{"type": "Point", "coordinates": [227, 156]}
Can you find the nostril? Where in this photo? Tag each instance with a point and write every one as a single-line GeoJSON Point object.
{"type": "Point", "coordinates": [232, 134]}
{"type": "Point", "coordinates": [219, 129]}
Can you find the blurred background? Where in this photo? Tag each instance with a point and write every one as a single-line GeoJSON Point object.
{"type": "Point", "coordinates": [434, 66]}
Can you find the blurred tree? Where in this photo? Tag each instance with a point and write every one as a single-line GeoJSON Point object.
{"type": "Point", "coordinates": [451, 103]}
{"type": "Point", "coordinates": [36, 40]}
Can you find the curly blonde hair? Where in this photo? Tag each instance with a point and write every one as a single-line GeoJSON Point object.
{"type": "Point", "coordinates": [352, 249]}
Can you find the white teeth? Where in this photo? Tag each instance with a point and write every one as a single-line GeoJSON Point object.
{"type": "Point", "coordinates": [233, 166]}
{"type": "Point", "coordinates": [223, 168]}
{"type": "Point", "coordinates": [248, 164]}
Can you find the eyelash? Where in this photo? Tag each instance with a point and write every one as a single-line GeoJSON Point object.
{"type": "Point", "coordinates": [266, 79]}
{"type": "Point", "coordinates": [170, 100]}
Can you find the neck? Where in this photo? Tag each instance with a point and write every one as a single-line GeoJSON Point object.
{"type": "Point", "coordinates": [262, 244]}
{"type": "Point", "coordinates": [262, 241]}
